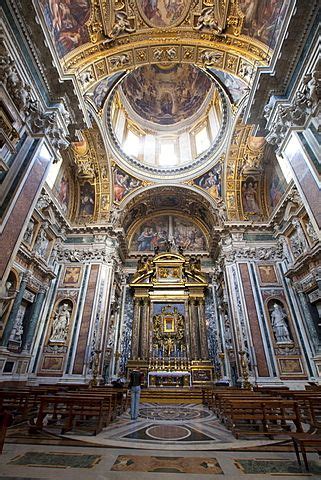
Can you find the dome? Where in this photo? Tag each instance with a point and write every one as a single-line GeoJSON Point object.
{"type": "Point", "coordinates": [167, 119]}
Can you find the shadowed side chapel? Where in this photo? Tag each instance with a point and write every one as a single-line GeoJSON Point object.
{"type": "Point", "coordinates": [160, 211]}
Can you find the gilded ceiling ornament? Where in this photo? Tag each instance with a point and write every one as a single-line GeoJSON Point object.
{"type": "Point", "coordinates": [122, 25]}
{"type": "Point", "coordinates": [163, 13]}
{"type": "Point", "coordinates": [212, 57]}
{"type": "Point", "coordinates": [208, 20]}
{"type": "Point", "coordinates": [119, 60]}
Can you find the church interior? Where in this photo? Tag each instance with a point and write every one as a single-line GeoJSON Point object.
{"type": "Point", "coordinates": [160, 211]}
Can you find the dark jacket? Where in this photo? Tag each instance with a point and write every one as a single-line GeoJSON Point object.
{"type": "Point", "coordinates": [135, 379]}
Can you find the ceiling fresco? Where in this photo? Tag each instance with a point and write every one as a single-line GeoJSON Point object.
{"type": "Point", "coordinates": [154, 233]}
{"type": "Point", "coordinates": [166, 94]}
{"type": "Point", "coordinates": [163, 13]}
{"type": "Point", "coordinates": [101, 90]}
{"type": "Point", "coordinates": [263, 19]}
{"type": "Point", "coordinates": [236, 87]}
{"type": "Point", "coordinates": [66, 21]}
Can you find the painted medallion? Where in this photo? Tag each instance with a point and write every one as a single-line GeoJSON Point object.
{"type": "Point", "coordinates": [163, 13]}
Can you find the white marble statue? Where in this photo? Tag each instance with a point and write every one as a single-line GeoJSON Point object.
{"type": "Point", "coordinates": [60, 324]}
{"type": "Point", "coordinates": [29, 231]}
{"type": "Point", "coordinates": [5, 297]}
{"type": "Point", "coordinates": [17, 329]}
{"type": "Point", "coordinates": [41, 244]}
{"type": "Point", "coordinates": [279, 325]}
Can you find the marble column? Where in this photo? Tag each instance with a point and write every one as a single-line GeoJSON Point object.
{"type": "Point", "coordinates": [34, 317]}
{"type": "Point", "coordinates": [135, 329]}
{"type": "Point", "coordinates": [202, 331]}
{"type": "Point", "coordinates": [15, 308]}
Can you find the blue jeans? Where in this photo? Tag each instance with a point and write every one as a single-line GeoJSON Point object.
{"type": "Point", "coordinates": [134, 402]}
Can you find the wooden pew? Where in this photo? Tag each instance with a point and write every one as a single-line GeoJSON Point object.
{"type": "Point", "coordinates": [312, 438]}
{"type": "Point", "coordinates": [268, 417]}
{"type": "Point", "coordinates": [72, 406]}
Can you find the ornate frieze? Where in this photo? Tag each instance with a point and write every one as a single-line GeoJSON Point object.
{"type": "Point", "coordinates": [294, 113]}
{"type": "Point", "coordinates": [53, 124]}
{"type": "Point", "coordinates": [253, 253]}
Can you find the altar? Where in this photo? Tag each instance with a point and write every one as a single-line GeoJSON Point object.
{"type": "Point", "coordinates": [167, 378]}
{"type": "Point", "coordinates": [169, 333]}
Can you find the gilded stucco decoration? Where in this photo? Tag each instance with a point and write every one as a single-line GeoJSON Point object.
{"type": "Point", "coordinates": [93, 176]}
{"type": "Point", "coordinates": [244, 194]}
{"type": "Point", "coordinates": [98, 38]}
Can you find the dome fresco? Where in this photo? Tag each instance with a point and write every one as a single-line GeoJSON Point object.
{"type": "Point", "coordinates": [166, 94]}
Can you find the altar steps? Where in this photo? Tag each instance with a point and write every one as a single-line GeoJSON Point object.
{"type": "Point", "coordinates": [171, 395]}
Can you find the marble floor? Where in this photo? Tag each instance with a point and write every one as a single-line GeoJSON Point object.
{"type": "Point", "coordinates": [30, 462]}
{"type": "Point", "coordinates": [169, 427]}
{"type": "Point", "coordinates": [167, 442]}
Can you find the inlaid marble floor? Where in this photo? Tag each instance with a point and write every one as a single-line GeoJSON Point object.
{"type": "Point", "coordinates": [31, 462]}
{"type": "Point", "coordinates": [169, 427]}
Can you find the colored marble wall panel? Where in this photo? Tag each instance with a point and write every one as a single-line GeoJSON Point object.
{"type": "Point", "coordinates": [15, 223]}
{"type": "Point", "coordinates": [85, 323]}
{"type": "Point", "coordinates": [254, 322]}
{"type": "Point", "coordinates": [305, 179]}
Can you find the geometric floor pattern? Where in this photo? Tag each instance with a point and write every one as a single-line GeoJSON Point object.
{"type": "Point", "coordinates": [27, 462]}
{"type": "Point", "coordinates": [143, 463]}
{"type": "Point", "coordinates": [169, 427]}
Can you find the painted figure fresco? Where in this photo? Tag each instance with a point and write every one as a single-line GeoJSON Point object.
{"type": "Point", "coordinates": [250, 198]}
{"type": "Point", "coordinates": [275, 184]}
{"type": "Point", "coordinates": [155, 233]}
{"type": "Point", "coordinates": [188, 236]}
{"type": "Point", "coordinates": [166, 94]}
{"type": "Point", "coordinates": [66, 20]}
{"type": "Point", "coordinates": [123, 184]}
{"type": "Point", "coordinates": [87, 199]}
{"type": "Point", "coordinates": [103, 88]}
{"type": "Point", "coordinates": [163, 13]}
{"type": "Point", "coordinates": [62, 191]}
{"type": "Point", "coordinates": [234, 85]}
{"type": "Point", "coordinates": [152, 234]}
{"type": "Point", "coordinates": [263, 19]}
{"type": "Point", "coordinates": [211, 181]}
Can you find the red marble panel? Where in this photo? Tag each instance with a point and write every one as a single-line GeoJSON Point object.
{"type": "Point", "coordinates": [85, 322]}
{"type": "Point", "coordinates": [254, 322]}
{"type": "Point", "coordinates": [308, 184]}
{"type": "Point", "coordinates": [18, 215]}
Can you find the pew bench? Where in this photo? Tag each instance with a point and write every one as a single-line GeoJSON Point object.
{"type": "Point", "coordinates": [263, 417]}
{"type": "Point", "coordinates": [71, 407]}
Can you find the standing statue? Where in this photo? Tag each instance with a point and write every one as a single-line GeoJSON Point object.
{"type": "Point", "coordinates": [41, 244]}
{"type": "Point", "coordinates": [5, 297]}
{"type": "Point", "coordinates": [17, 329]}
{"type": "Point", "coordinates": [29, 231]}
{"type": "Point", "coordinates": [280, 328]}
{"type": "Point", "coordinates": [60, 324]}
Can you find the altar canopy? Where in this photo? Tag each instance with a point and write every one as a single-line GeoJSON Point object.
{"type": "Point", "coordinates": [169, 337]}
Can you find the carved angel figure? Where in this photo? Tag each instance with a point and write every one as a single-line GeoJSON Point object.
{"type": "Point", "coordinates": [121, 25]}
{"type": "Point", "coordinates": [207, 20]}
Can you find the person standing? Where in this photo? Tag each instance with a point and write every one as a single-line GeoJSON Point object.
{"type": "Point", "coordinates": [135, 387]}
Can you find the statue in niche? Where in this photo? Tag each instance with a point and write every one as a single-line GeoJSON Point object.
{"type": "Point", "coordinates": [61, 323]}
{"type": "Point", "coordinates": [250, 197]}
{"type": "Point", "coordinates": [279, 325]}
{"type": "Point", "coordinates": [311, 232]}
{"type": "Point", "coordinates": [5, 297]}
{"type": "Point", "coordinates": [41, 244]}
{"type": "Point", "coordinates": [299, 243]}
{"type": "Point", "coordinates": [17, 329]}
{"type": "Point", "coordinates": [227, 334]}
{"type": "Point", "coordinates": [29, 231]}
